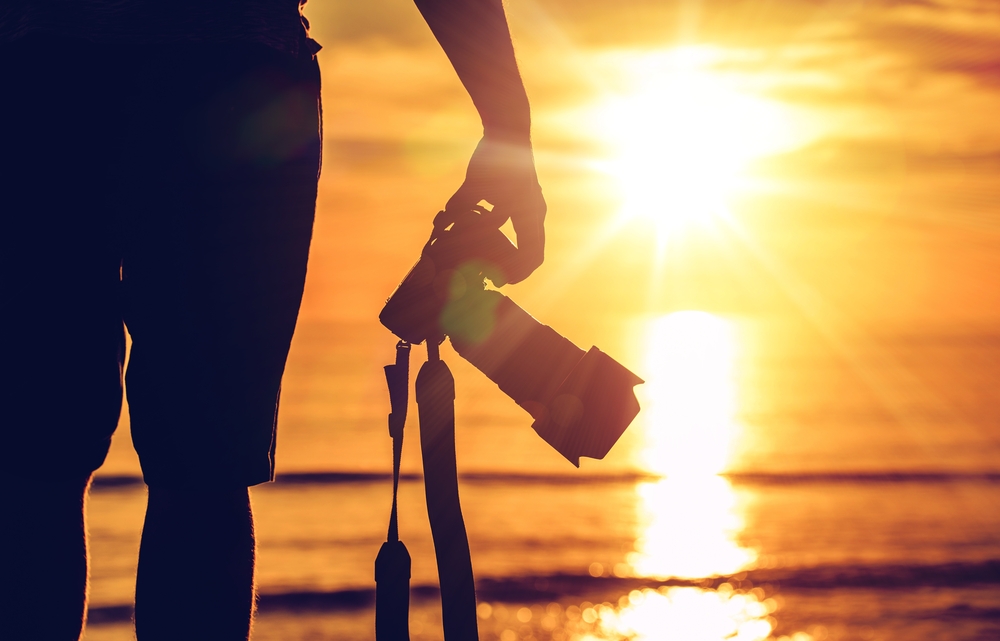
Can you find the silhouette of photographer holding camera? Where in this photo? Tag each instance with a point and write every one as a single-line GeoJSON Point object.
{"type": "Point", "coordinates": [161, 161]}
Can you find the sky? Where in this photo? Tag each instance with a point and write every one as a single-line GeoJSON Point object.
{"type": "Point", "coordinates": [825, 159]}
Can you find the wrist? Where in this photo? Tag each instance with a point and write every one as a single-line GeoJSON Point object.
{"type": "Point", "coordinates": [509, 131]}
{"type": "Point", "coordinates": [512, 140]}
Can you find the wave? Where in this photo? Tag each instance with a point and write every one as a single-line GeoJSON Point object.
{"type": "Point", "coordinates": [567, 587]}
{"type": "Point", "coordinates": [103, 481]}
{"type": "Point", "coordinates": [796, 478]}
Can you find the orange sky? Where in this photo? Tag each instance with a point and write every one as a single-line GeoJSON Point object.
{"type": "Point", "coordinates": [877, 203]}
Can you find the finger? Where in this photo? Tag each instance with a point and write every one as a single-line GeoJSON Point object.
{"type": "Point", "coordinates": [467, 199]}
{"type": "Point", "coordinates": [530, 231]}
{"type": "Point", "coordinates": [494, 218]}
{"type": "Point", "coordinates": [528, 258]}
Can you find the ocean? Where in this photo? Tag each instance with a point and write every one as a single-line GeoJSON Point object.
{"type": "Point", "coordinates": [787, 501]}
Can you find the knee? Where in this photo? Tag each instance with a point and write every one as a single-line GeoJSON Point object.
{"type": "Point", "coordinates": [201, 514]}
{"type": "Point", "coordinates": [48, 506]}
{"type": "Point", "coordinates": [199, 495]}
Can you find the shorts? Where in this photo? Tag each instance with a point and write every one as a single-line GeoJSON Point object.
{"type": "Point", "coordinates": [172, 187]}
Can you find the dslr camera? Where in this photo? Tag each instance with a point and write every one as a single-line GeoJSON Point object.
{"type": "Point", "coordinates": [581, 402]}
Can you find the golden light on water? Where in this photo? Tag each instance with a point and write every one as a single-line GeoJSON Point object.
{"type": "Point", "coordinates": [691, 614]}
{"type": "Point", "coordinates": [668, 614]}
{"type": "Point", "coordinates": [682, 136]}
{"type": "Point", "coordinates": [689, 520]}
{"type": "Point", "coordinates": [688, 529]}
{"type": "Point", "coordinates": [689, 395]}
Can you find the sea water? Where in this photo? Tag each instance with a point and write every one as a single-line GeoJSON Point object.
{"type": "Point", "coordinates": [778, 485]}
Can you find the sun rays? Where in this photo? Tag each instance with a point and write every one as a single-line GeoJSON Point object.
{"type": "Point", "coordinates": [681, 136]}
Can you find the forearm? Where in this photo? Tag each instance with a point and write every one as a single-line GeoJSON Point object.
{"type": "Point", "coordinates": [476, 39]}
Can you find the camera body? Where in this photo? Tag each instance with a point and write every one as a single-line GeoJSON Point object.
{"type": "Point", "coordinates": [581, 402]}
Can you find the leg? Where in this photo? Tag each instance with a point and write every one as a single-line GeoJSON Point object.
{"type": "Point", "coordinates": [195, 578]}
{"type": "Point", "coordinates": [45, 567]}
{"type": "Point", "coordinates": [63, 343]}
{"type": "Point", "coordinates": [218, 221]}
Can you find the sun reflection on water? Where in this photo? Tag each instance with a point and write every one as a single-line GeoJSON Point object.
{"type": "Point", "coordinates": [690, 394]}
{"type": "Point", "coordinates": [689, 521]}
{"type": "Point", "coordinates": [688, 530]}
{"type": "Point", "coordinates": [667, 613]}
{"type": "Point", "coordinates": [688, 613]}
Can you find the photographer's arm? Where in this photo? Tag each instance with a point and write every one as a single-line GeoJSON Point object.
{"type": "Point", "coordinates": [475, 37]}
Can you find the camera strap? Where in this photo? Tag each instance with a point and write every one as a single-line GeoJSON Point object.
{"type": "Point", "coordinates": [392, 566]}
{"type": "Point", "coordinates": [397, 377]}
{"type": "Point", "coordinates": [435, 390]}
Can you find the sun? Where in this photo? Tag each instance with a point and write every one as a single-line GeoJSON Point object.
{"type": "Point", "coordinates": [681, 136]}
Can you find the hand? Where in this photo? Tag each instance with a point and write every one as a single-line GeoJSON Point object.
{"type": "Point", "coordinates": [502, 173]}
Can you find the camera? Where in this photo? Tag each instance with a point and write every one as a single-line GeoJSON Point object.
{"type": "Point", "coordinates": [581, 402]}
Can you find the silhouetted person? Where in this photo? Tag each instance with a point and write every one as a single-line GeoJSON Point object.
{"type": "Point", "coordinates": [160, 160]}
